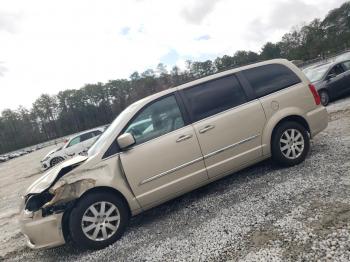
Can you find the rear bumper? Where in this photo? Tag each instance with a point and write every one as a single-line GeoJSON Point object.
{"type": "Point", "coordinates": [42, 232]}
{"type": "Point", "coordinates": [317, 120]}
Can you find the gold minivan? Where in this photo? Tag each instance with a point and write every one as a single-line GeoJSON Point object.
{"type": "Point", "coordinates": [170, 143]}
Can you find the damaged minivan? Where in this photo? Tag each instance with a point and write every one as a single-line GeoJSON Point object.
{"type": "Point", "coordinates": [170, 143]}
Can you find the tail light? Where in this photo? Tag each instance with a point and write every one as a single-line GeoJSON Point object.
{"type": "Point", "coordinates": [315, 94]}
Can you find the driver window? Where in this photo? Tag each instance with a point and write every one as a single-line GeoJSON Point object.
{"type": "Point", "coordinates": [336, 70]}
{"type": "Point", "coordinates": [156, 119]}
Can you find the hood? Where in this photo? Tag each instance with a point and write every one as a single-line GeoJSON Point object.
{"type": "Point", "coordinates": [51, 152]}
{"type": "Point", "coordinates": [45, 181]}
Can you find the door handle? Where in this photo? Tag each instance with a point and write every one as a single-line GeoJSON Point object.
{"type": "Point", "coordinates": [183, 138]}
{"type": "Point", "coordinates": [206, 128]}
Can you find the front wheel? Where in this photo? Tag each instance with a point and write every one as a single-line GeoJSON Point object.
{"type": "Point", "coordinates": [56, 160]}
{"type": "Point", "coordinates": [290, 144]}
{"type": "Point", "coordinates": [98, 220]}
{"type": "Point", "coordinates": [324, 97]}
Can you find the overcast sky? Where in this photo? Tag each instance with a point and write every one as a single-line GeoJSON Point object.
{"type": "Point", "coordinates": [48, 46]}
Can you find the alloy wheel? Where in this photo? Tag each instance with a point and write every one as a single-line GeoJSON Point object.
{"type": "Point", "coordinates": [100, 221]}
{"type": "Point", "coordinates": [292, 143]}
{"type": "Point", "coordinates": [56, 160]}
{"type": "Point", "coordinates": [324, 98]}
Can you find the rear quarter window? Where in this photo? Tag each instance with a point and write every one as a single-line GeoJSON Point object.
{"type": "Point", "coordinates": [267, 79]}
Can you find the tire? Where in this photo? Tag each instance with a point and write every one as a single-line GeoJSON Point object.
{"type": "Point", "coordinates": [324, 97]}
{"type": "Point", "coordinates": [83, 219]}
{"type": "Point", "coordinates": [293, 150]}
{"type": "Point", "coordinates": [56, 160]}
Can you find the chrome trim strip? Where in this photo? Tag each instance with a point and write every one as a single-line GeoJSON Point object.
{"type": "Point", "coordinates": [197, 160]}
{"type": "Point", "coordinates": [171, 171]}
{"type": "Point", "coordinates": [230, 146]}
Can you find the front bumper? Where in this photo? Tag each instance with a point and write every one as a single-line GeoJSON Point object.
{"type": "Point", "coordinates": [45, 164]}
{"type": "Point", "coordinates": [317, 120]}
{"type": "Point", "coordinates": [42, 232]}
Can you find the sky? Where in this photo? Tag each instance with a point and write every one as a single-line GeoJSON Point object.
{"type": "Point", "coordinates": [49, 46]}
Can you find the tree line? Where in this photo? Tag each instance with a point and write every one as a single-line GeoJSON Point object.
{"type": "Point", "coordinates": [74, 110]}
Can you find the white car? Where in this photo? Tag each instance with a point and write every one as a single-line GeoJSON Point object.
{"type": "Point", "coordinates": [4, 158]}
{"type": "Point", "coordinates": [74, 146]}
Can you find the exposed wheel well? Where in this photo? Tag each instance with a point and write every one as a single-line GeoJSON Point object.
{"type": "Point", "coordinates": [292, 118]}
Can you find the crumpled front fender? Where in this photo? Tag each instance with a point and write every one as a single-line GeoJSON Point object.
{"type": "Point", "coordinates": [48, 179]}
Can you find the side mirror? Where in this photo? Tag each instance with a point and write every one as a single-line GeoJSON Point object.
{"type": "Point", "coordinates": [126, 140]}
{"type": "Point", "coordinates": [330, 76]}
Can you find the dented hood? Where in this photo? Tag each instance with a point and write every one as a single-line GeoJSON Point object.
{"type": "Point", "coordinates": [45, 181]}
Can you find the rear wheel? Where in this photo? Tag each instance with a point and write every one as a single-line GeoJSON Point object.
{"type": "Point", "coordinates": [290, 144]}
{"type": "Point", "coordinates": [324, 97]}
{"type": "Point", "coordinates": [98, 220]}
{"type": "Point", "coordinates": [56, 160]}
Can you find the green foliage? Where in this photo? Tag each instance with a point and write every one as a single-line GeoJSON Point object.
{"type": "Point", "coordinates": [93, 105]}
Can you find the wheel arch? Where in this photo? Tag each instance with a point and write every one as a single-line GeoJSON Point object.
{"type": "Point", "coordinates": [56, 157]}
{"type": "Point", "coordinates": [274, 122]}
{"type": "Point", "coordinates": [323, 89]}
{"type": "Point", "coordinates": [66, 214]}
{"type": "Point", "coordinates": [107, 189]}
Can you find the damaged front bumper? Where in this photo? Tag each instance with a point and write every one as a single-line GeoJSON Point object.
{"type": "Point", "coordinates": [40, 231]}
{"type": "Point", "coordinates": [45, 203]}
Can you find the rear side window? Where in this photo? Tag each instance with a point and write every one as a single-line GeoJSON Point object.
{"type": "Point", "coordinates": [346, 65]}
{"type": "Point", "coordinates": [214, 97]}
{"type": "Point", "coordinates": [267, 79]}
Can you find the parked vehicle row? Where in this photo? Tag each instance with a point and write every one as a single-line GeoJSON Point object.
{"type": "Point", "coordinates": [6, 157]}
{"type": "Point", "coordinates": [170, 143]}
{"type": "Point", "coordinates": [332, 80]}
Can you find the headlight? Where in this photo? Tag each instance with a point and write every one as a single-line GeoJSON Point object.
{"type": "Point", "coordinates": [35, 202]}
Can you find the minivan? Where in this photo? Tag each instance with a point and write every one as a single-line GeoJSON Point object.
{"type": "Point", "coordinates": [170, 143]}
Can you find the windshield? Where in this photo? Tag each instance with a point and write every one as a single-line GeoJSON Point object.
{"type": "Point", "coordinates": [317, 73]}
{"type": "Point", "coordinates": [99, 142]}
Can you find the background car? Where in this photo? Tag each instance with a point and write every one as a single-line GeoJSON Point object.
{"type": "Point", "coordinates": [332, 80]}
{"type": "Point", "coordinates": [4, 158]}
{"type": "Point", "coordinates": [14, 155]}
{"type": "Point", "coordinates": [74, 146]}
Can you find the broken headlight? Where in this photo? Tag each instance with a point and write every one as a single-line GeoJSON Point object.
{"type": "Point", "coordinates": [35, 202]}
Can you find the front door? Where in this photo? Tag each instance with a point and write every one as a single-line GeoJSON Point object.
{"type": "Point", "coordinates": [74, 147]}
{"type": "Point", "coordinates": [336, 82]}
{"type": "Point", "coordinates": [346, 66]}
{"type": "Point", "coordinates": [166, 159]}
{"type": "Point", "coordinates": [228, 127]}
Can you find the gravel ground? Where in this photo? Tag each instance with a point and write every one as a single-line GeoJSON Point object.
{"type": "Point", "coordinates": [262, 213]}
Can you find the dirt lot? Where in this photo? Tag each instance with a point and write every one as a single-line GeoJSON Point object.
{"type": "Point", "coordinates": [261, 213]}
